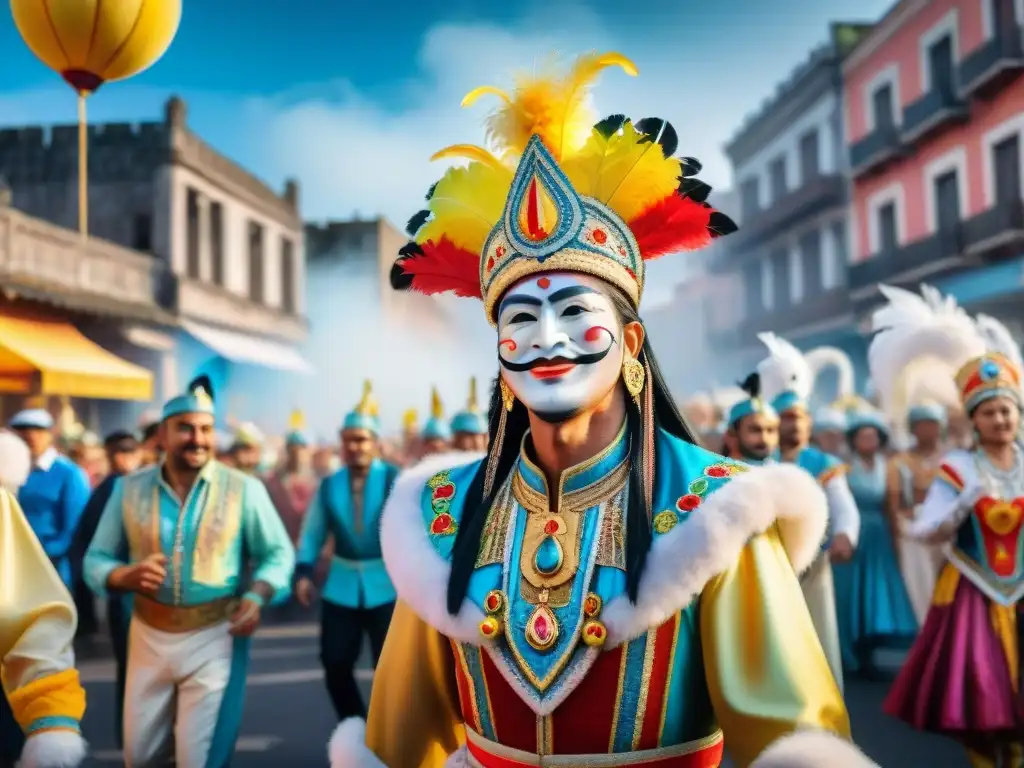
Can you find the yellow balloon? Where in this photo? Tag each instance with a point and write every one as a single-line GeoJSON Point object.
{"type": "Point", "coordinates": [91, 42]}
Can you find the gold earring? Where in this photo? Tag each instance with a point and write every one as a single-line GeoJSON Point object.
{"type": "Point", "coordinates": [507, 396]}
{"type": "Point", "coordinates": [633, 376]}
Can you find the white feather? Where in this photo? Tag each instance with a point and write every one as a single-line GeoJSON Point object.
{"type": "Point", "coordinates": [999, 339]}
{"type": "Point", "coordinates": [821, 358]}
{"type": "Point", "coordinates": [785, 369]}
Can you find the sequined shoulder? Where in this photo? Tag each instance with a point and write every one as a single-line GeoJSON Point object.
{"type": "Point", "coordinates": [442, 502]}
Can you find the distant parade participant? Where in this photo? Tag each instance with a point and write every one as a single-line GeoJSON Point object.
{"type": "Point", "coordinates": [55, 493]}
{"type": "Point", "coordinates": [598, 589]}
{"type": "Point", "coordinates": [437, 434]}
{"type": "Point", "coordinates": [828, 431]}
{"type": "Point", "coordinates": [42, 696]}
{"type": "Point", "coordinates": [961, 679]}
{"type": "Point", "coordinates": [786, 381]}
{"type": "Point", "coordinates": [469, 426]}
{"type": "Point", "coordinates": [124, 455]}
{"type": "Point", "coordinates": [293, 484]}
{"type": "Point", "coordinates": [753, 426]}
{"type": "Point", "coordinates": [358, 597]}
{"type": "Point", "coordinates": [247, 448]}
{"type": "Point", "coordinates": [180, 536]}
{"type": "Point", "coordinates": [149, 436]}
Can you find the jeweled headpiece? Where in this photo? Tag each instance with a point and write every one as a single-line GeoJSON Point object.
{"type": "Point", "coordinates": [366, 414]}
{"type": "Point", "coordinates": [559, 193]}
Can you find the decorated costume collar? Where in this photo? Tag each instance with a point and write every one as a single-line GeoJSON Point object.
{"type": "Point", "coordinates": [603, 472]}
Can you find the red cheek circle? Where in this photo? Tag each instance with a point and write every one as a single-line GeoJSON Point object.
{"type": "Point", "coordinates": [544, 283]}
{"type": "Point", "coordinates": [508, 344]}
{"type": "Point", "coordinates": [593, 334]}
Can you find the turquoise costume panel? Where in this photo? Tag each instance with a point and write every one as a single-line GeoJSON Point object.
{"type": "Point", "coordinates": [226, 522]}
{"type": "Point", "coordinates": [686, 476]}
{"type": "Point", "coordinates": [872, 605]}
{"type": "Point", "coordinates": [357, 577]}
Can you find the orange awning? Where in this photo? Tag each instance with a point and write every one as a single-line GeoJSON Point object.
{"type": "Point", "coordinates": [50, 357]}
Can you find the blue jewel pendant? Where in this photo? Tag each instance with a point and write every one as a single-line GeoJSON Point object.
{"type": "Point", "coordinates": [549, 556]}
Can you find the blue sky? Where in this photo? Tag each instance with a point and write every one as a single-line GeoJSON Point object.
{"type": "Point", "coordinates": [354, 102]}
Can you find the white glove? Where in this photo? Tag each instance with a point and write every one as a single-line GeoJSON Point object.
{"type": "Point", "coordinates": [53, 749]}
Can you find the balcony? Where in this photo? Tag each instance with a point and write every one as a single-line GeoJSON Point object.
{"type": "Point", "coordinates": [942, 253]}
{"type": "Point", "coordinates": [878, 147]}
{"type": "Point", "coordinates": [212, 304]}
{"type": "Point", "coordinates": [935, 109]}
{"type": "Point", "coordinates": [984, 71]}
{"type": "Point", "coordinates": [824, 306]}
{"type": "Point", "coordinates": [818, 194]}
{"type": "Point", "coordinates": [997, 233]}
{"type": "Point", "coordinates": [44, 262]}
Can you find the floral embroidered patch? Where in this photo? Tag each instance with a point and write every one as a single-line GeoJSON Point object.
{"type": "Point", "coordinates": [665, 521]}
{"type": "Point", "coordinates": [442, 494]}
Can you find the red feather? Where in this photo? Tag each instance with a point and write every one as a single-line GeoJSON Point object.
{"type": "Point", "coordinates": [675, 224]}
{"type": "Point", "coordinates": [444, 267]}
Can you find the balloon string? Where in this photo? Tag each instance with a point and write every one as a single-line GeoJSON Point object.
{"type": "Point", "coordinates": [83, 168]}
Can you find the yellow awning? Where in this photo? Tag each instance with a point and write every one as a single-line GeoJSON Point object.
{"type": "Point", "coordinates": [50, 357]}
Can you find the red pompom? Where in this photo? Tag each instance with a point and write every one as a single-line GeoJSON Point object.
{"type": "Point", "coordinates": [675, 224]}
{"type": "Point", "coordinates": [443, 267]}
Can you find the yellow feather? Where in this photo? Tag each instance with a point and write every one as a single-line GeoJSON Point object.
{"type": "Point", "coordinates": [552, 106]}
{"type": "Point", "coordinates": [436, 406]}
{"type": "Point", "coordinates": [467, 204]}
{"type": "Point", "coordinates": [626, 171]}
{"type": "Point", "coordinates": [410, 418]}
{"type": "Point", "coordinates": [368, 405]}
{"type": "Point", "coordinates": [471, 404]}
{"type": "Point", "coordinates": [468, 152]}
{"type": "Point", "coordinates": [297, 421]}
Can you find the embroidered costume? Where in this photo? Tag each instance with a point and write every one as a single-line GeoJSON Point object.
{"type": "Point", "coordinates": [552, 658]}
{"type": "Point", "coordinates": [787, 379]}
{"type": "Point", "coordinates": [961, 677]}
{"type": "Point", "coordinates": [293, 485]}
{"type": "Point", "coordinates": [179, 646]}
{"type": "Point", "coordinates": [37, 627]}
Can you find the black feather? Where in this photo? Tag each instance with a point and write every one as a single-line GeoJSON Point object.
{"type": "Point", "coordinates": [610, 125]}
{"type": "Point", "coordinates": [418, 220]}
{"type": "Point", "coordinates": [752, 385]}
{"type": "Point", "coordinates": [695, 189]}
{"type": "Point", "coordinates": [400, 279]}
{"type": "Point", "coordinates": [691, 166]}
{"type": "Point", "coordinates": [410, 249]}
{"type": "Point", "coordinates": [719, 224]}
{"type": "Point", "coordinates": [201, 382]}
{"type": "Point", "coordinates": [661, 131]}
{"type": "Point", "coordinates": [430, 192]}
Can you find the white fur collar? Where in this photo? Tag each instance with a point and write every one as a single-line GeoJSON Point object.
{"type": "Point", "coordinates": [679, 565]}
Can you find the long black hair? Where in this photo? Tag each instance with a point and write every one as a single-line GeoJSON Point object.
{"type": "Point", "coordinates": [517, 423]}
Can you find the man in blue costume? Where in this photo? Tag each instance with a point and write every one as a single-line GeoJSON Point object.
{"type": "Point", "coordinates": [180, 536]}
{"type": "Point", "coordinates": [358, 597]}
{"type": "Point", "coordinates": [55, 493]}
{"type": "Point", "coordinates": [753, 426]}
{"type": "Point", "coordinates": [469, 426]}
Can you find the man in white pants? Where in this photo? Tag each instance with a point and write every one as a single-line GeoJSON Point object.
{"type": "Point", "coordinates": [179, 535]}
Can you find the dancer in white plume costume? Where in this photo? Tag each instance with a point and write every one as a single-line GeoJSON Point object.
{"type": "Point", "coordinates": [961, 677]}
{"type": "Point", "coordinates": [828, 429]}
{"type": "Point", "coordinates": [786, 383]}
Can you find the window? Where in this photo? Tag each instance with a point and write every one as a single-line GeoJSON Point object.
{"type": "Point", "coordinates": [809, 167]}
{"type": "Point", "coordinates": [749, 197]}
{"type": "Point", "coordinates": [287, 276]}
{"type": "Point", "coordinates": [942, 65]}
{"type": "Point", "coordinates": [883, 104]}
{"type": "Point", "coordinates": [1006, 166]}
{"type": "Point", "coordinates": [255, 262]}
{"type": "Point", "coordinates": [217, 242]}
{"type": "Point", "coordinates": [753, 289]}
{"type": "Point", "coordinates": [142, 233]}
{"type": "Point", "coordinates": [777, 176]}
{"type": "Point", "coordinates": [810, 258]}
{"type": "Point", "coordinates": [947, 201]}
{"type": "Point", "coordinates": [194, 265]}
{"type": "Point", "coordinates": [888, 234]}
{"type": "Point", "coordinates": [840, 252]}
{"type": "Point", "coordinates": [780, 270]}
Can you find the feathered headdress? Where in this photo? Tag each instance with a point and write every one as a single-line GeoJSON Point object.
{"type": "Point", "coordinates": [436, 426]}
{"type": "Point", "coordinates": [924, 340]}
{"type": "Point", "coordinates": [559, 191]}
{"type": "Point", "coordinates": [821, 358]}
{"type": "Point", "coordinates": [198, 398]}
{"type": "Point", "coordinates": [786, 376]}
{"type": "Point", "coordinates": [752, 403]}
{"type": "Point", "coordinates": [366, 414]}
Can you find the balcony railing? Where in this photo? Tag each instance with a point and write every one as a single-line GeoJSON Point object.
{"type": "Point", "coordinates": [40, 259]}
{"type": "Point", "coordinates": [941, 253]}
{"type": "Point", "coordinates": [983, 70]}
{"type": "Point", "coordinates": [879, 146]}
{"type": "Point", "coordinates": [210, 303]}
{"type": "Point", "coordinates": [997, 232]}
{"type": "Point", "coordinates": [813, 196]}
{"type": "Point", "coordinates": [819, 307]}
{"type": "Point", "coordinates": [937, 108]}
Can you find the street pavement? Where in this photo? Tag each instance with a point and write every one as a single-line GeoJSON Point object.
{"type": "Point", "coordinates": [288, 718]}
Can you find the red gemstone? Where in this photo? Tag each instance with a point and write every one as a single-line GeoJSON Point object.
{"type": "Point", "coordinates": [486, 629]}
{"type": "Point", "coordinates": [541, 628]}
{"type": "Point", "coordinates": [600, 237]}
{"type": "Point", "coordinates": [499, 252]}
{"type": "Point", "coordinates": [492, 603]}
{"type": "Point", "coordinates": [551, 527]}
{"type": "Point", "coordinates": [490, 263]}
{"type": "Point", "coordinates": [544, 282]}
{"type": "Point", "coordinates": [717, 471]}
{"type": "Point", "coordinates": [688, 502]}
{"type": "Point", "coordinates": [444, 491]}
{"type": "Point", "coordinates": [441, 523]}
{"type": "Point", "coordinates": [594, 630]}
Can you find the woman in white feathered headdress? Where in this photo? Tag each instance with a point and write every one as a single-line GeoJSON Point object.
{"type": "Point", "coordinates": [961, 677]}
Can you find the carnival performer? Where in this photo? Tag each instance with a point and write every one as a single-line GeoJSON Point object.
{"type": "Point", "coordinates": [590, 591]}
{"type": "Point", "coordinates": [246, 450]}
{"type": "Point", "coordinates": [872, 604]}
{"type": "Point", "coordinates": [786, 382]}
{"type": "Point", "coordinates": [469, 427]}
{"type": "Point", "coordinates": [828, 431]}
{"type": "Point", "coordinates": [961, 677]}
{"type": "Point", "coordinates": [42, 696]}
{"type": "Point", "coordinates": [180, 536]}
{"type": "Point", "coordinates": [293, 484]}
{"type": "Point", "coordinates": [358, 598]}
{"type": "Point", "coordinates": [437, 435]}
{"type": "Point", "coordinates": [753, 426]}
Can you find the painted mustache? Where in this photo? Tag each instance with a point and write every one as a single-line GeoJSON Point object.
{"type": "Point", "coordinates": [549, 362]}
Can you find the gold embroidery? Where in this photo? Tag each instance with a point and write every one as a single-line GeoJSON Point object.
{"type": "Point", "coordinates": [218, 524]}
{"type": "Point", "coordinates": [493, 540]}
{"type": "Point", "coordinates": [460, 656]}
{"type": "Point", "coordinates": [668, 678]}
{"type": "Point", "coordinates": [641, 706]}
{"type": "Point", "coordinates": [611, 543]}
{"type": "Point", "coordinates": [619, 689]}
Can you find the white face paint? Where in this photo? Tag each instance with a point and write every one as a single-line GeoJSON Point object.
{"type": "Point", "coordinates": [559, 343]}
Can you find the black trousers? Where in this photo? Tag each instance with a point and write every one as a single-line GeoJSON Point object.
{"type": "Point", "coordinates": [341, 640]}
{"type": "Point", "coordinates": [118, 620]}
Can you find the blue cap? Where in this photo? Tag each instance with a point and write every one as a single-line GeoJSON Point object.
{"type": "Point", "coordinates": [198, 398]}
{"type": "Point", "coordinates": [366, 413]}
{"type": "Point", "coordinates": [864, 418]}
{"type": "Point", "coordinates": [927, 412]}
{"type": "Point", "coordinates": [749, 407]}
{"type": "Point", "coordinates": [436, 427]}
{"type": "Point", "coordinates": [32, 418]}
{"type": "Point", "coordinates": [470, 420]}
{"type": "Point", "coordinates": [829, 420]}
{"type": "Point", "coordinates": [788, 401]}
{"type": "Point", "coordinates": [297, 438]}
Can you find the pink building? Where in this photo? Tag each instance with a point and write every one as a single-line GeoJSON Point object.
{"type": "Point", "coordinates": [934, 115]}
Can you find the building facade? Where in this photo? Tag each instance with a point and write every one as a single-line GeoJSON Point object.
{"type": "Point", "coordinates": [789, 257]}
{"type": "Point", "coordinates": [934, 108]}
{"type": "Point", "coordinates": [226, 252]}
